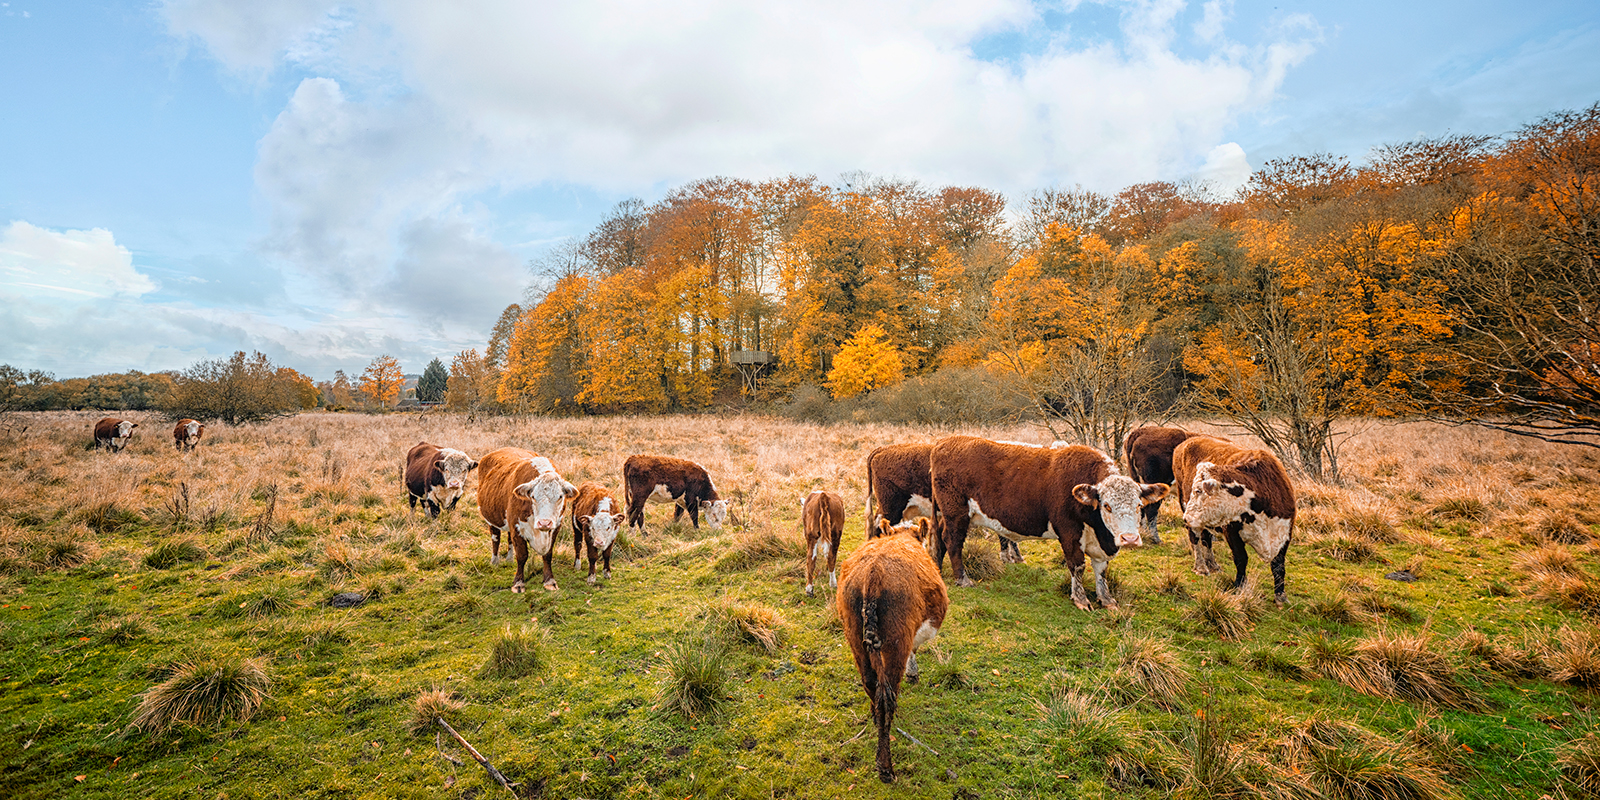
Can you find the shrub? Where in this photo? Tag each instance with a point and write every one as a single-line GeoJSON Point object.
{"type": "Point", "coordinates": [207, 691]}
{"type": "Point", "coordinates": [697, 677]}
{"type": "Point", "coordinates": [517, 653]}
{"type": "Point", "coordinates": [172, 552]}
{"type": "Point", "coordinates": [1148, 667]}
{"type": "Point", "coordinates": [808, 403]}
{"type": "Point", "coordinates": [432, 705]}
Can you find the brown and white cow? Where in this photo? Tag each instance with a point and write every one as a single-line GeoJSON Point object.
{"type": "Point", "coordinates": [113, 434]}
{"type": "Point", "coordinates": [186, 434]}
{"type": "Point", "coordinates": [437, 476]}
{"type": "Point", "coordinates": [899, 481]}
{"type": "Point", "coordinates": [596, 519]}
{"type": "Point", "coordinates": [1149, 453]}
{"type": "Point", "coordinates": [664, 479]}
{"type": "Point", "coordinates": [1245, 494]}
{"type": "Point", "coordinates": [521, 494]}
{"type": "Point", "coordinates": [822, 519]}
{"type": "Point", "coordinates": [890, 601]}
{"type": "Point", "coordinates": [1071, 494]}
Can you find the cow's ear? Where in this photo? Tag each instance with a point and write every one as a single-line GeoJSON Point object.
{"type": "Point", "coordinates": [1087, 495]}
{"type": "Point", "coordinates": [1153, 493]}
{"type": "Point", "coordinates": [616, 519]}
{"type": "Point", "coordinates": [525, 491]}
{"type": "Point", "coordinates": [585, 519]}
{"type": "Point", "coordinates": [135, 424]}
{"type": "Point", "coordinates": [472, 465]}
{"type": "Point", "coordinates": [568, 489]}
{"type": "Point", "coordinates": [1210, 485]}
{"type": "Point", "coordinates": [884, 528]}
{"type": "Point", "coordinates": [924, 528]}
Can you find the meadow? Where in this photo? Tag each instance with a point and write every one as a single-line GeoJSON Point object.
{"type": "Point", "coordinates": [122, 573]}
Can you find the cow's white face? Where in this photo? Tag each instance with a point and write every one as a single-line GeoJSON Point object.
{"type": "Point", "coordinates": [125, 429]}
{"type": "Point", "coordinates": [191, 432]}
{"type": "Point", "coordinates": [1212, 503]}
{"type": "Point", "coordinates": [715, 512]}
{"type": "Point", "coordinates": [603, 525]}
{"type": "Point", "coordinates": [1119, 499]}
{"type": "Point", "coordinates": [548, 494]}
{"type": "Point", "coordinates": [455, 465]}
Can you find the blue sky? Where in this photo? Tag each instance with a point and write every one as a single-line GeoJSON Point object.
{"type": "Point", "coordinates": [327, 182]}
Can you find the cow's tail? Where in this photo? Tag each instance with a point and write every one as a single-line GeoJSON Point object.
{"type": "Point", "coordinates": [871, 636]}
{"type": "Point", "coordinates": [868, 513]}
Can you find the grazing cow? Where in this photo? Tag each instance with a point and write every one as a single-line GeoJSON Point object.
{"type": "Point", "coordinates": [1245, 494]}
{"type": "Point", "coordinates": [437, 476]}
{"type": "Point", "coordinates": [1149, 453]}
{"type": "Point", "coordinates": [186, 434]}
{"type": "Point", "coordinates": [890, 601]}
{"type": "Point", "coordinates": [596, 519]}
{"type": "Point", "coordinates": [113, 434]}
{"type": "Point", "coordinates": [898, 479]}
{"type": "Point", "coordinates": [521, 494]}
{"type": "Point", "coordinates": [663, 479]}
{"type": "Point", "coordinates": [1071, 494]}
{"type": "Point", "coordinates": [822, 515]}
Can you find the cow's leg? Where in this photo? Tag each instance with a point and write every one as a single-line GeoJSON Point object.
{"type": "Point", "coordinates": [1241, 554]}
{"type": "Point", "coordinates": [577, 552]}
{"type": "Point", "coordinates": [833, 559]}
{"type": "Point", "coordinates": [1277, 575]}
{"type": "Point", "coordinates": [432, 506]}
{"type": "Point", "coordinates": [549, 555]}
{"type": "Point", "coordinates": [1148, 515]}
{"type": "Point", "coordinates": [594, 556]}
{"type": "Point", "coordinates": [955, 538]}
{"type": "Point", "coordinates": [811, 563]}
{"type": "Point", "coordinates": [1197, 551]}
{"type": "Point", "coordinates": [694, 510]}
{"type": "Point", "coordinates": [607, 555]}
{"type": "Point", "coordinates": [413, 499]}
{"type": "Point", "coordinates": [1209, 539]}
{"type": "Point", "coordinates": [519, 547]}
{"type": "Point", "coordinates": [494, 546]}
{"type": "Point", "coordinates": [1102, 589]}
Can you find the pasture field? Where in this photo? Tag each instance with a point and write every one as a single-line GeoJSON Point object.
{"type": "Point", "coordinates": [120, 572]}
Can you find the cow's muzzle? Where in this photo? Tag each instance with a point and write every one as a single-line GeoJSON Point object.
{"type": "Point", "coordinates": [545, 524]}
{"type": "Point", "coordinates": [1126, 541]}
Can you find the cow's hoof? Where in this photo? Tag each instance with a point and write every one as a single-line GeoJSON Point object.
{"type": "Point", "coordinates": [591, 580]}
{"type": "Point", "coordinates": [516, 588]}
{"type": "Point", "coordinates": [1281, 601]}
{"type": "Point", "coordinates": [576, 565]}
{"type": "Point", "coordinates": [1155, 538]}
{"type": "Point", "coordinates": [608, 574]}
{"type": "Point", "coordinates": [965, 582]}
{"type": "Point", "coordinates": [550, 586]}
{"type": "Point", "coordinates": [1083, 605]}
{"type": "Point", "coordinates": [811, 591]}
{"type": "Point", "coordinates": [886, 775]}
{"type": "Point", "coordinates": [1112, 606]}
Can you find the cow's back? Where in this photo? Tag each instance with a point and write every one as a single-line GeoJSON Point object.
{"type": "Point", "coordinates": [904, 466]}
{"type": "Point", "coordinates": [1264, 474]}
{"type": "Point", "coordinates": [106, 428]}
{"type": "Point", "coordinates": [1191, 452]}
{"type": "Point", "coordinates": [587, 500]}
{"type": "Point", "coordinates": [500, 472]}
{"type": "Point", "coordinates": [1149, 452]}
{"type": "Point", "coordinates": [823, 513]}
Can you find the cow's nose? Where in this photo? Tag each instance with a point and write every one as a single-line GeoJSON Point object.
{"type": "Point", "coordinates": [1130, 541]}
{"type": "Point", "coordinates": [545, 524]}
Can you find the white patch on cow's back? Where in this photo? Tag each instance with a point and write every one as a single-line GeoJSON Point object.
{"type": "Point", "coordinates": [660, 494]}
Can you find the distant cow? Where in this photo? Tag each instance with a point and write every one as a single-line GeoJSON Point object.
{"type": "Point", "coordinates": [437, 476]}
{"type": "Point", "coordinates": [113, 434]}
{"type": "Point", "coordinates": [1245, 494]}
{"type": "Point", "coordinates": [822, 518]}
{"type": "Point", "coordinates": [186, 434]}
{"type": "Point", "coordinates": [1149, 454]}
{"type": "Point", "coordinates": [663, 479]}
{"type": "Point", "coordinates": [521, 494]}
{"type": "Point", "coordinates": [596, 519]}
{"type": "Point", "coordinates": [890, 601]}
{"type": "Point", "coordinates": [1072, 494]}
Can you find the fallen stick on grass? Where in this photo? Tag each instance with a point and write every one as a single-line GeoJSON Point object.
{"type": "Point", "coordinates": [473, 751]}
{"type": "Point", "coordinates": [855, 737]}
{"type": "Point", "coordinates": [914, 739]}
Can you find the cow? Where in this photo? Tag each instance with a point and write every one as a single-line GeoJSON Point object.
{"type": "Point", "coordinates": [521, 494]}
{"type": "Point", "coordinates": [596, 519]}
{"type": "Point", "coordinates": [663, 479]}
{"type": "Point", "coordinates": [1245, 494]}
{"type": "Point", "coordinates": [1149, 453]}
{"type": "Point", "coordinates": [890, 601]}
{"type": "Point", "coordinates": [113, 434]}
{"type": "Point", "coordinates": [1073, 494]}
{"type": "Point", "coordinates": [822, 519]}
{"type": "Point", "coordinates": [437, 476]}
{"type": "Point", "coordinates": [899, 482]}
{"type": "Point", "coordinates": [186, 434]}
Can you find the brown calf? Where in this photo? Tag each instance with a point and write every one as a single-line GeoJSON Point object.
{"type": "Point", "coordinates": [1245, 494]}
{"type": "Point", "coordinates": [664, 479]}
{"type": "Point", "coordinates": [186, 434]}
{"type": "Point", "coordinates": [521, 494]}
{"type": "Point", "coordinates": [596, 519]}
{"type": "Point", "coordinates": [1149, 454]}
{"type": "Point", "coordinates": [822, 516]}
{"type": "Point", "coordinates": [890, 600]}
{"type": "Point", "coordinates": [113, 434]}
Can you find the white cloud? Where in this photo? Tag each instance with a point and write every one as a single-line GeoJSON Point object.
{"type": "Point", "coordinates": [1226, 169]}
{"type": "Point", "coordinates": [39, 262]}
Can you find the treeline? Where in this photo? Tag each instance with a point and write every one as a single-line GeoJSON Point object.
{"type": "Point", "coordinates": [1454, 276]}
{"type": "Point", "coordinates": [235, 389]}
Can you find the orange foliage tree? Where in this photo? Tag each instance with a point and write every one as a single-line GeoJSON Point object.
{"type": "Point", "coordinates": [868, 361]}
{"type": "Point", "coordinates": [381, 380]}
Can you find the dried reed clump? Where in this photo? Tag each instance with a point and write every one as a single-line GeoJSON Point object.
{"type": "Point", "coordinates": [755, 622]}
{"type": "Point", "coordinates": [207, 691]}
{"type": "Point", "coordinates": [1346, 548]}
{"type": "Point", "coordinates": [1547, 561]}
{"type": "Point", "coordinates": [432, 706]}
{"type": "Point", "coordinates": [1077, 727]}
{"type": "Point", "coordinates": [981, 558]}
{"type": "Point", "coordinates": [107, 517]}
{"type": "Point", "coordinates": [1393, 665]}
{"type": "Point", "coordinates": [1569, 592]}
{"type": "Point", "coordinates": [1463, 507]}
{"type": "Point", "coordinates": [1147, 667]}
{"type": "Point", "coordinates": [1223, 613]}
{"type": "Point", "coordinates": [517, 652]}
{"type": "Point", "coordinates": [1206, 762]}
{"type": "Point", "coordinates": [696, 677]}
{"type": "Point", "coordinates": [1579, 764]}
{"type": "Point", "coordinates": [1500, 654]}
{"type": "Point", "coordinates": [754, 547]}
{"type": "Point", "coordinates": [1324, 757]}
{"type": "Point", "coordinates": [1558, 528]}
{"type": "Point", "coordinates": [173, 552]}
{"type": "Point", "coordinates": [1368, 525]}
{"type": "Point", "coordinates": [1572, 657]}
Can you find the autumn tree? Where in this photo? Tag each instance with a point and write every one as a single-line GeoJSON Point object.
{"type": "Point", "coordinates": [237, 389]}
{"type": "Point", "coordinates": [381, 381]}
{"type": "Point", "coordinates": [434, 382]}
{"type": "Point", "coordinates": [472, 384]}
{"type": "Point", "coordinates": [867, 362]}
{"type": "Point", "coordinates": [547, 350]}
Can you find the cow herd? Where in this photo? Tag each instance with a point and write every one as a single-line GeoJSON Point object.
{"type": "Point", "coordinates": [922, 502]}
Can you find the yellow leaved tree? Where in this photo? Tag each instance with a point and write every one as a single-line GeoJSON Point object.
{"type": "Point", "coordinates": [868, 361]}
{"type": "Point", "coordinates": [381, 381]}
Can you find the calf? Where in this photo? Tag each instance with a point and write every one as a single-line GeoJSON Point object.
{"type": "Point", "coordinates": [521, 494]}
{"type": "Point", "coordinates": [1246, 494]}
{"type": "Point", "coordinates": [436, 476]}
{"type": "Point", "coordinates": [596, 519]}
{"type": "Point", "coordinates": [663, 479]}
{"type": "Point", "coordinates": [890, 601]}
{"type": "Point", "coordinates": [1071, 494]}
{"type": "Point", "coordinates": [113, 434]}
{"type": "Point", "coordinates": [186, 434]}
{"type": "Point", "coordinates": [822, 517]}
{"type": "Point", "coordinates": [1149, 454]}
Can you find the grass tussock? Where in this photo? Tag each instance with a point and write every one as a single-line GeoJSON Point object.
{"type": "Point", "coordinates": [1171, 584]}
{"type": "Point", "coordinates": [1463, 507]}
{"type": "Point", "coordinates": [1578, 763]}
{"type": "Point", "coordinates": [207, 692]}
{"type": "Point", "coordinates": [1221, 612]}
{"type": "Point", "coordinates": [1346, 548]}
{"type": "Point", "coordinates": [1500, 654]}
{"type": "Point", "coordinates": [517, 653]}
{"type": "Point", "coordinates": [172, 552]}
{"type": "Point", "coordinates": [1328, 758]}
{"type": "Point", "coordinates": [108, 517]}
{"type": "Point", "coordinates": [754, 547]}
{"type": "Point", "coordinates": [1078, 728]}
{"type": "Point", "coordinates": [1276, 662]}
{"type": "Point", "coordinates": [1368, 525]}
{"type": "Point", "coordinates": [1569, 593]}
{"type": "Point", "coordinates": [52, 549]}
{"type": "Point", "coordinates": [1550, 560]}
{"type": "Point", "coordinates": [753, 622]}
{"type": "Point", "coordinates": [1573, 656]}
{"type": "Point", "coordinates": [124, 631]}
{"type": "Point", "coordinates": [266, 603]}
{"type": "Point", "coordinates": [982, 559]}
{"type": "Point", "coordinates": [695, 683]}
{"type": "Point", "coordinates": [431, 706]}
{"type": "Point", "coordinates": [1207, 764]}
{"type": "Point", "coordinates": [1148, 667]}
{"type": "Point", "coordinates": [1396, 665]}
{"type": "Point", "coordinates": [1558, 528]}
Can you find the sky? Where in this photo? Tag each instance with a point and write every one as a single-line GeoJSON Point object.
{"type": "Point", "coordinates": [327, 182]}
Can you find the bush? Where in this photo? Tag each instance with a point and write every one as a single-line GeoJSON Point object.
{"type": "Point", "coordinates": [950, 396]}
{"type": "Point", "coordinates": [207, 692]}
{"type": "Point", "coordinates": [808, 403]}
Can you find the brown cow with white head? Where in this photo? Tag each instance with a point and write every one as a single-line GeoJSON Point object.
{"type": "Point", "coordinates": [521, 495]}
{"type": "Point", "coordinates": [1245, 494]}
{"type": "Point", "coordinates": [596, 520]}
{"type": "Point", "coordinates": [437, 476]}
{"type": "Point", "coordinates": [186, 434]}
{"type": "Point", "coordinates": [664, 479]}
{"type": "Point", "coordinates": [113, 434]}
